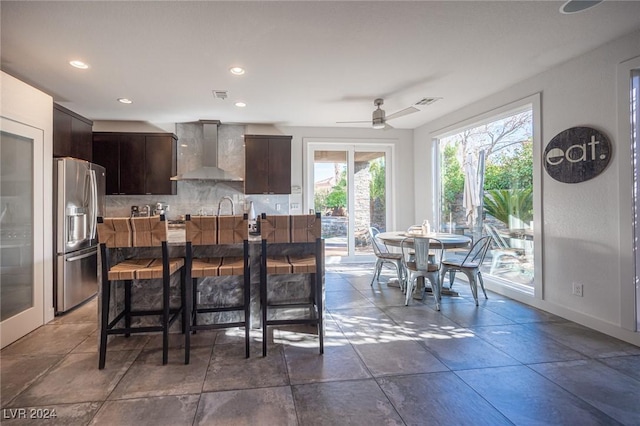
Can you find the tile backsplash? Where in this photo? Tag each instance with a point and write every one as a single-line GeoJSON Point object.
{"type": "Point", "coordinates": [201, 197]}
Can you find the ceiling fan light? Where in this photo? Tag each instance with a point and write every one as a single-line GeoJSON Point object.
{"type": "Point", "coordinates": [377, 118]}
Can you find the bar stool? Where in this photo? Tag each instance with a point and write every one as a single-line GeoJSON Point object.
{"type": "Point", "coordinates": [300, 234]}
{"type": "Point", "coordinates": [124, 236]}
{"type": "Point", "coordinates": [205, 237]}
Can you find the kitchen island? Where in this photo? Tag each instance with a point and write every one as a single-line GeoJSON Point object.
{"type": "Point", "coordinates": [224, 290]}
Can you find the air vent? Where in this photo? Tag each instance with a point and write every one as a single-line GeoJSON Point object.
{"type": "Point", "coordinates": [221, 94]}
{"type": "Point", "coordinates": [427, 101]}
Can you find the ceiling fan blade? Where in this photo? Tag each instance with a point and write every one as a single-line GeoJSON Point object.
{"type": "Point", "coordinates": [346, 122]}
{"type": "Point", "coordinates": [387, 126]}
{"type": "Point", "coordinates": [402, 113]}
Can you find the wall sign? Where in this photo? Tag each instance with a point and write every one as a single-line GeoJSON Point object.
{"type": "Point", "coordinates": [577, 154]}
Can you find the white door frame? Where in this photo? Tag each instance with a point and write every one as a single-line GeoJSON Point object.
{"type": "Point", "coordinates": [310, 145]}
{"type": "Point", "coordinates": [28, 320]}
{"type": "Point", "coordinates": [629, 180]}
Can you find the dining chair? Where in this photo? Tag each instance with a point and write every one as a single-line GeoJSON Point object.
{"type": "Point", "coordinates": [422, 257]}
{"type": "Point", "coordinates": [383, 256]}
{"type": "Point", "coordinates": [125, 245]}
{"type": "Point", "coordinates": [469, 265]}
{"type": "Point", "coordinates": [217, 250]}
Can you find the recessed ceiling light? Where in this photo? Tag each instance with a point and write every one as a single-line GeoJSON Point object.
{"type": "Point", "coordinates": [236, 70]}
{"type": "Point", "coordinates": [240, 104]}
{"type": "Point", "coordinates": [575, 6]}
{"type": "Point", "coordinates": [79, 64]}
{"type": "Point", "coordinates": [125, 101]}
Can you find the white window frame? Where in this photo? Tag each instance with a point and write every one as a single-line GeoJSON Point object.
{"type": "Point", "coordinates": [496, 285]}
{"type": "Point", "coordinates": [629, 265]}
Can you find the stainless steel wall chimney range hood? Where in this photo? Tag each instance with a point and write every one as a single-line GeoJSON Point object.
{"type": "Point", "coordinates": [209, 170]}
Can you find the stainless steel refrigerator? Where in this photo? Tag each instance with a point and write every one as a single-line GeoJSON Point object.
{"type": "Point", "coordinates": [79, 198]}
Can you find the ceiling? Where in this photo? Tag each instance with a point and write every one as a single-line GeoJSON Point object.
{"type": "Point", "coordinates": [307, 63]}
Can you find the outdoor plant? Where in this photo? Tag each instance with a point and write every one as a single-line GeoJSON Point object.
{"type": "Point", "coordinates": [504, 204]}
{"type": "Point", "coordinates": [337, 197]}
{"type": "Point", "coordinates": [453, 179]}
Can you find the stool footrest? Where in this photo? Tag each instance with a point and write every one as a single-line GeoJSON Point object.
{"type": "Point", "coordinates": [220, 309]}
{"type": "Point", "coordinates": [217, 326]}
{"type": "Point", "coordinates": [314, 321]}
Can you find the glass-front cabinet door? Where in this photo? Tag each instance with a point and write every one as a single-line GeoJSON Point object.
{"type": "Point", "coordinates": [21, 230]}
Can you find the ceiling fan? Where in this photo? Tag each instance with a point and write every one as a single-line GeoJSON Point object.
{"type": "Point", "coordinates": [379, 120]}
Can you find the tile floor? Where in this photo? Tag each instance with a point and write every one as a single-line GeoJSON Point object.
{"type": "Point", "coordinates": [384, 364]}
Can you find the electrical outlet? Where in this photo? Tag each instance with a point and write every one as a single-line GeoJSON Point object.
{"type": "Point", "coordinates": [278, 207]}
{"type": "Point", "coordinates": [577, 289]}
{"type": "Point", "coordinates": [295, 206]}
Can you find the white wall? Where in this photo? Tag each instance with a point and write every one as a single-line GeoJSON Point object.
{"type": "Point", "coordinates": [402, 141]}
{"type": "Point", "coordinates": [582, 226]}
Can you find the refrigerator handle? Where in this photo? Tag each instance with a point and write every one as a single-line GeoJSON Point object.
{"type": "Point", "coordinates": [94, 204]}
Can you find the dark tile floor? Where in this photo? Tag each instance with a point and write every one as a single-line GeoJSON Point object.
{"type": "Point", "coordinates": [384, 363]}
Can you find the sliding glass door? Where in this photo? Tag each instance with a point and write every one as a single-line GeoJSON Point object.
{"type": "Point", "coordinates": [349, 186]}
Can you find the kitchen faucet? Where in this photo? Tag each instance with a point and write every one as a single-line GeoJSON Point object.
{"type": "Point", "coordinates": [226, 197]}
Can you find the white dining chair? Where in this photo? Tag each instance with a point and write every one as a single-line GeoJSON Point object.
{"type": "Point", "coordinates": [383, 256]}
{"type": "Point", "coordinates": [469, 265]}
{"type": "Point", "coordinates": [422, 257]}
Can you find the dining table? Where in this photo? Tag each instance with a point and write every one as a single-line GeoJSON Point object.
{"type": "Point", "coordinates": [449, 241]}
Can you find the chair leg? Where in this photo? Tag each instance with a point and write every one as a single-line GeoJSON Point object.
{"type": "Point", "coordinates": [452, 277]}
{"type": "Point", "coordinates": [316, 279]}
{"type": "Point", "coordinates": [194, 302]}
{"type": "Point", "coordinates": [471, 276]}
{"type": "Point", "coordinates": [104, 322]}
{"type": "Point", "coordinates": [187, 314]}
{"type": "Point", "coordinates": [263, 300]}
{"type": "Point", "coordinates": [165, 321]}
{"type": "Point", "coordinates": [247, 315]}
{"type": "Point", "coordinates": [400, 273]}
{"type": "Point", "coordinates": [127, 306]}
{"type": "Point", "coordinates": [183, 298]}
{"type": "Point", "coordinates": [482, 284]}
{"type": "Point", "coordinates": [435, 284]}
{"type": "Point", "coordinates": [377, 270]}
{"type": "Point", "coordinates": [410, 287]}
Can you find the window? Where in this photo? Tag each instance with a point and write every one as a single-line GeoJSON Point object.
{"type": "Point", "coordinates": [487, 188]}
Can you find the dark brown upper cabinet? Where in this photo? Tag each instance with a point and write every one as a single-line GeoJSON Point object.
{"type": "Point", "coordinates": [137, 163]}
{"type": "Point", "coordinates": [71, 134]}
{"type": "Point", "coordinates": [267, 164]}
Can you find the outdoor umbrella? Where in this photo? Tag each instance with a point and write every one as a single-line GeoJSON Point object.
{"type": "Point", "coordinates": [473, 187]}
